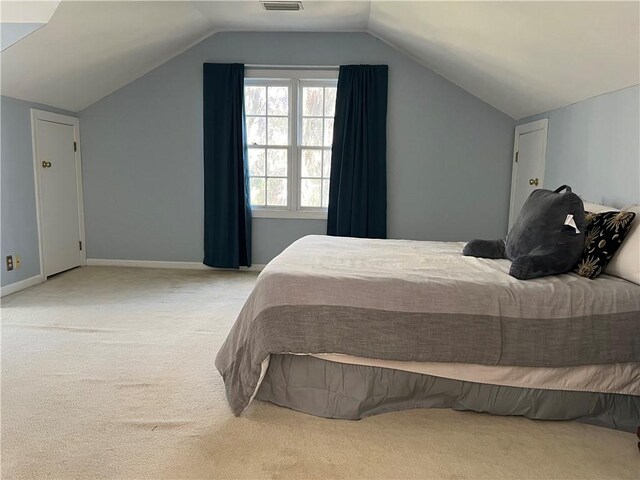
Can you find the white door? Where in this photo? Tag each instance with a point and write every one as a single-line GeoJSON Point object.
{"type": "Point", "coordinates": [58, 196]}
{"type": "Point", "coordinates": [528, 164]}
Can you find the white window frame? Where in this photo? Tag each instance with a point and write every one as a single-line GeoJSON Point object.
{"type": "Point", "coordinates": [295, 80]}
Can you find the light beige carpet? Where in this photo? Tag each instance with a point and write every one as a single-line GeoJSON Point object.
{"type": "Point", "coordinates": [108, 373]}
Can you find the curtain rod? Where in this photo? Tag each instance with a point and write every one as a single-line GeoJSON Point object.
{"type": "Point", "coordinates": [293, 67]}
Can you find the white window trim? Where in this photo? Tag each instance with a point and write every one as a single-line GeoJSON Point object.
{"type": "Point", "coordinates": [294, 79]}
{"type": "Point", "coordinates": [273, 212]}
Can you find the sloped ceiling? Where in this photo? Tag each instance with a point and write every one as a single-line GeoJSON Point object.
{"type": "Point", "coordinates": [521, 57]}
{"type": "Point", "coordinates": [19, 19]}
{"type": "Point", "coordinates": [90, 49]}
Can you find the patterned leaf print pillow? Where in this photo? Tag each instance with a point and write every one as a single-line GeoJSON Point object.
{"type": "Point", "coordinates": [604, 234]}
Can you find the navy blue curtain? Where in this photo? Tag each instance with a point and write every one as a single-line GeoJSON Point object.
{"type": "Point", "coordinates": [227, 211]}
{"type": "Point", "coordinates": [358, 188]}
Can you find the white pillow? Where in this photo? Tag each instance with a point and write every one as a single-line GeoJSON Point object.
{"type": "Point", "coordinates": [597, 208]}
{"type": "Point", "coordinates": [626, 261]}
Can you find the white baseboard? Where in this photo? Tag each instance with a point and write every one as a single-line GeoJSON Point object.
{"type": "Point", "coordinates": [21, 285]}
{"type": "Point", "coordinates": [107, 262]}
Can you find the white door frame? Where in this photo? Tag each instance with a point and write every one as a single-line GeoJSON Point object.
{"type": "Point", "coordinates": [542, 124]}
{"type": "Point", "coordinates": [65, 120]}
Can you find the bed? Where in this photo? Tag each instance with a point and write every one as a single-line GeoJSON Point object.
{"type": "Point", "coordinates": [346, 328]}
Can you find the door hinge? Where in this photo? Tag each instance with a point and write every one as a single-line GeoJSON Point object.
{"type": "Point", "coordinates": [517, 156]}
{"type": "Point", "coordinates": [75, 149]}
{"type": "Point", "coordinates": [80, 244]}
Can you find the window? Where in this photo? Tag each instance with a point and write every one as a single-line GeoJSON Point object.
{"type": "Point", "coordinates": [289, 124]}
{"type": "Point", "coordinates": [267, 117]}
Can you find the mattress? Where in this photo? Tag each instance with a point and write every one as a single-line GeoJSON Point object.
{"type": "Point", "coordinates": [423, 302]}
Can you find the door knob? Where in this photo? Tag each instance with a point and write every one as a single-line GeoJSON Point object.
{"type": "Point", "coordinates": [46, 164]}
{"type": "Point", "coordinates": [532, 181]}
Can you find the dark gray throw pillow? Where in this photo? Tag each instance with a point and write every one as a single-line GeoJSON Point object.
{"type": "Point", "coordinates": [485, 249]}
{"type": "Point", "coordinates": [542, 241]}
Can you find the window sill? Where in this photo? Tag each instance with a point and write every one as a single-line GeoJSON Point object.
{"type": "Point", "coordinates": [293, 214]}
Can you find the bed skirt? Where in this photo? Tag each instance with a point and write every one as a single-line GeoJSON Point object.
{"type": "Point", "coordinates": [345, 391]}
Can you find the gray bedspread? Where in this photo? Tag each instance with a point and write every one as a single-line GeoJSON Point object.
{"type": "Point", "coordinates": [346, 391]}
{"type": "Point", "coordinates": [423, 301]}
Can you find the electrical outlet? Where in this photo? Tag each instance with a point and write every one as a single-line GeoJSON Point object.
{"type": "Point", "coordinates": [9, 263]}
{"type": "Point", "coordinates": [17, 261]}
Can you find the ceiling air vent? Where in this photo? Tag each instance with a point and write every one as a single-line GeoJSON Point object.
{"type": "Point", "coordinates": [282, 6]}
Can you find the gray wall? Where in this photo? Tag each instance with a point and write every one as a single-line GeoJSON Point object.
{"type": "Point", "coordinates": [19, 225]}
{"type": "Point", "coordinates": [594, 146]}
{"type": "Point", "coordinates": [449, 153]}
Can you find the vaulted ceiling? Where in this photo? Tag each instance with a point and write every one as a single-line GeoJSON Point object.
{"type": "Point", "coordinates": [521, 57]}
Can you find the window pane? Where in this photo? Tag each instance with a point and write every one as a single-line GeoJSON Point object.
{"type": "Point", "coordinates": [325, 193]}
{"type": "Point", "coordinates": [278, 134]}
{"type": "Point", "coordinates": [278, 100]}
{"type": "Point", "coordinates": [277, 191]}
{"type": "Point", "coordinates": [310, 195]}
{"type": "Point", "coordinates": [312, 101]}
{"type": "Point", "coordinates": [329, 101]}
{"type": "Point", "coordinates": [277, 162]}
{"type": "Point", "coordinates": [328, 132]}
{"type": "Point", "coordinates": [256, 130]}
{"type": "Point", "coordinates": [256, 162]}
{"type": "Point", "coordinates": [312, 132]}
{"type": "Point", "coordinates": [257, 191]}
{"type": "Point", "coordinates": [326, 163]}
{"type": "Point", "coordinates": [255, 100]}
{"type": "Point", "coordinates": [311, 163]}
